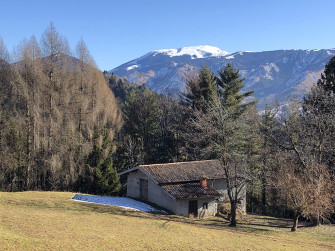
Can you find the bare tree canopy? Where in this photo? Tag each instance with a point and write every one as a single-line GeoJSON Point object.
{"type": "Point", "coordinates": [57, 108]}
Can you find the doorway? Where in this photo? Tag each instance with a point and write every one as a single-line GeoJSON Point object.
{"type": "Point", "coordinates": [143, 189]}
{"type": "Point", "coordinates": [193, 208]}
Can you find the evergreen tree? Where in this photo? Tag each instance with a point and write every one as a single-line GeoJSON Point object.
{"type": "Point", "coordinates": [208, 86]}
{"type": "Point", "coordinates": [202, 96]}
{"type": "Point", "coordinates": [171, 120]}
{"type": "Point", "coordinates": [202, 90]}
{"type": "Point", "coordinates": [318, 116]}
{"type": "Point", "coordinates": [121, 87]}
{"type": "Point", "coordinates": [105, 180]}
{"type": "Point", "coordinates": [230, 85]}
{"type": "Point", "coordinates": [222, 130]}
{"type": "Point", "coordinates": [140, 134]}
{"type": "Point", "coordinates": [234, 148]}
{"type": "Point", "coordinates": [327, 81]}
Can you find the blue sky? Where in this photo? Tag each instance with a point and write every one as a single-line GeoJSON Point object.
{"type": "Point", "coordinates": [119, 31]}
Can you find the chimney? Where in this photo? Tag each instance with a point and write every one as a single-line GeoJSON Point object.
{"type": "Point", "coordinates": [203, 181]}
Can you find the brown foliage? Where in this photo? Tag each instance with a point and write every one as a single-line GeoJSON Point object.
{"type": "Point", "coordinates": [307, 192]}
{"type": "Point", "coordinates": [60, 101]}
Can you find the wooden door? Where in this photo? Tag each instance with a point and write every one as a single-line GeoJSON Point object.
{"type": "Point", "coordinates": [193, 208]}
{"type": "Point", "coordinates": [143, 189]}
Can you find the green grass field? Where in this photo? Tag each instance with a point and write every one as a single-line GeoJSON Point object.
{"type": "Point", "coordinates": [51, 221]}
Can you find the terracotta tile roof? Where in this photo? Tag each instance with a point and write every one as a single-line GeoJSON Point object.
{"type": "Point", "coordinates": [190, 190]}
{"type": "Point", "coordinates": [184, 171]}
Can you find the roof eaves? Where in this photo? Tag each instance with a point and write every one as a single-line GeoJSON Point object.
{"type": "Point", "coordinates": [139, 168]}
{"type": "Point", "coordinates": [128, 171]}
{"type": "Point", "coordinates": [149, 176]}
{"type": "Point", "coordinates": [167, 193]}
{"type": "Point", "coordinates": [155, 181]}
{"type": "Point", "coordinates": [181, 162]}
{"type": "Point", "coordinates": [207, 196]}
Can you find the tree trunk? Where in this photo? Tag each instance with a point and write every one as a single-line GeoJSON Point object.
{"type": "Point", "coordinates": [264, 196]}
{"type": "Point", "coordinates": [233, 214]}
{"type": "Point", "coordinates": [295, 222]}
{"type": "Point", "coordinates": [317, 221]}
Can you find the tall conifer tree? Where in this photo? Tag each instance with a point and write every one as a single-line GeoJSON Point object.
{"type": "Point", "coordinates": [230, 86]}
{"type": "Point", "coordinates": [208, 86]}
{"type": "Point", "coordinates": [202, 90]}
{"type": "Point", "coordinates": [327, 81]}
{"type": "Point", "coordinates": [105, 178]}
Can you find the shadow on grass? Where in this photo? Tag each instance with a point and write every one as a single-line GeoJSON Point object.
{"type": "Point", "coordinates": [250, 223]}
{"type": "Point", "coordinates": [264, 221]}
{"type": "Point", "coordinates": [212, 223]}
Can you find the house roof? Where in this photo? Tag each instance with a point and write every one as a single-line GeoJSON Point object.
{"type": "Point", "coordinates": [184, 171]}
{"type": "Point", "coordinates": [181, 180]}
{"type": "Point", "coordinates": [189, 190]}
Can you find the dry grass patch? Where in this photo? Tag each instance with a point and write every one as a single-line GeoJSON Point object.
{"type": "Point", "coordinates": [50, 220]}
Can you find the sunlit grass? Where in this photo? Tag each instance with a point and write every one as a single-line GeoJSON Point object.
{"type": "Point", "coordinates": [51, 221]}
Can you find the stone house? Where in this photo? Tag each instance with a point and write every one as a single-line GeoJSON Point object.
{"type": "Point", "coordinates": [186, 188]}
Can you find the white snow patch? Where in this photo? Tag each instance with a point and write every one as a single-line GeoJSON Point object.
{"type": "Point", "coordinates": [123, 202]}
{"type": "Point", "coordinates": [268, 69]}
{"type": "Point", "coordinates": [202, 51]}
{"type": "Point", "coordinates": [285, 60]}
{"type": "Point", "coordinates": [132, 67]}
{"type": "Point", "coordinates": [230, 57]}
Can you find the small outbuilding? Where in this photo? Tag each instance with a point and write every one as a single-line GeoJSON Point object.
{"type": "Point", "coordinates": [192, 189]}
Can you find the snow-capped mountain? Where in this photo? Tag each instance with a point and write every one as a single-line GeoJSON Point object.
{"type": "Point", "coordinates": [273, 75]}
{"type": "Point", "coordinates": [202, 51]}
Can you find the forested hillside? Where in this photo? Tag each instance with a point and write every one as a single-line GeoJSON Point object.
{"type": "Point", "coordinates": [55, 109]}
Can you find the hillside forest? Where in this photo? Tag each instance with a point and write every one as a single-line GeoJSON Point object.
{"type": "Point", "coordinates": [66, 126]}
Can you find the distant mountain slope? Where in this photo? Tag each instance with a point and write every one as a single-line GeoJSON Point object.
{"type": "Point", "coordinates": [273, 75]}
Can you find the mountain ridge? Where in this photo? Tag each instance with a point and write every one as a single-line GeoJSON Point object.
{"type": "Point", "coordinates": [273, 75]}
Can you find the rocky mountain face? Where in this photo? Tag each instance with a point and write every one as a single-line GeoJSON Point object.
{"type": "Point", "coordinates": [273, 75]}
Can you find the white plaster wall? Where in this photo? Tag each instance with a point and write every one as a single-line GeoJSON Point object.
{"type": "Point", "coordinates": [221, 186]}
{"type": "Point", "coordinates": [155, 193]}
{"type": "Point", "coordinates": [212, 207]}
{"type": "Point", "coordinates": [179, 207]}
{"type": "Point", "coordinates": [182, 207]}
{"type": "Point", "coordinates": [244, 201]}
{"type": "Point", "coordinates": [133, 185]}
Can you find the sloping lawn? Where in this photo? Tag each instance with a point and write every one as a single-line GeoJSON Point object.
{"type": "Point", "coordinates": [52, 221]}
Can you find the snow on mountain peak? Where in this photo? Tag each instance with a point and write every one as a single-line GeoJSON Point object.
{"type": "Point", "coordinates": [202, 51]}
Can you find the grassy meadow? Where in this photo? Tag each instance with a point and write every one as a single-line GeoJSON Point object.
{"type": "Point", "coordinates": [52, 221]}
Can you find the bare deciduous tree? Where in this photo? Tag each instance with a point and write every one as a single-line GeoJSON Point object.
{"type": "Point", "coordinates": [58, 103]}
{"type": "Point", "coordinates": [216, 133]}
{"type": "Point", "coordinates": [305, 191]}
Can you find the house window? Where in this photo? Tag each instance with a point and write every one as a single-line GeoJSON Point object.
{"type": "Point", "coordinates": [205, 205]}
